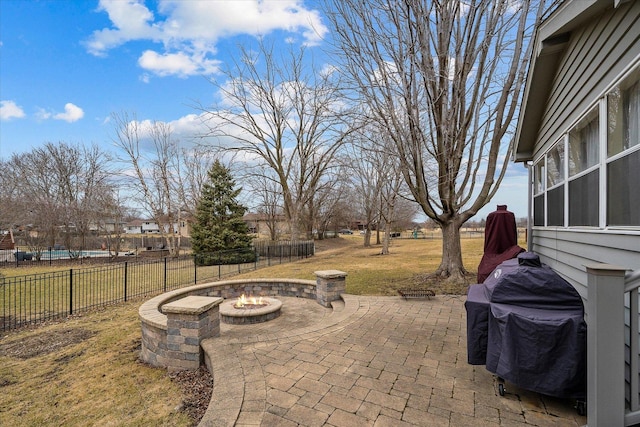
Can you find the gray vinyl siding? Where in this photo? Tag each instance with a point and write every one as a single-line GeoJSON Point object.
{"type": "Point", "coordinates": [568, 250]}
{"type": "Point", "coordinates": [596, 55]}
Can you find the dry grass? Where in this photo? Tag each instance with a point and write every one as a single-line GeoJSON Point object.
{"type": "Point", "coordinates": [409, 264]}
{"type": "Point", "coordinates": [85, 370]}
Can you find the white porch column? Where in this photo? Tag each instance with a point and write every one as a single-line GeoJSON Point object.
{"type": "Point", "coordinates": [605, 345]}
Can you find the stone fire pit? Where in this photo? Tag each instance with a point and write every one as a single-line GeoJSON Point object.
{"type": "Point", "coordinates": [250, 313]}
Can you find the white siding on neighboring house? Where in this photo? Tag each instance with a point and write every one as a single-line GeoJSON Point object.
{"type": "Point", "coordinates": [150, 227]}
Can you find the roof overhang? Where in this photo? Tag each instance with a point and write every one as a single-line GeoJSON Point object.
{"type": "Point", "coordinates": [549, 44]}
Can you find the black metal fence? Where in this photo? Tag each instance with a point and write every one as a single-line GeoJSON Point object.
{"type": "Point", "coordinates": [36, 298]}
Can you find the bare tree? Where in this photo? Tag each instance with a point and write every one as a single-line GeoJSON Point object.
{"type": "Point", "coordinates": [267, 196]}
{"type": "Point", "coordinates": [365, 161]}
{"type": "Point", "coordinates": [389, 196]}
{"type": "Point", "coordinates": [58, 191]}
{"type": "Point", "coordinates": [443, 80]}
{"type": "Point", "coordinates": [191, 173]}
{"type": "Point", "coordinates": [326, 207]}
{"type": "Point", "coordinates": [280, 112]}
{"type": "Point", "coordinates": [151, 153]}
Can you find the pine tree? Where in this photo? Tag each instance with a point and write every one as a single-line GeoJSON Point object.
{"type": "Point", "coordinates": [218, 223]}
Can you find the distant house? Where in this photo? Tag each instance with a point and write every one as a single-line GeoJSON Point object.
{"type": "Point", "coordinates": [258, 223]}
{"type": "Point", "coordinates": [579, 130]}
{"type": "Point", "coordinates": [148, 226]}
{"type": "Point", "coordinates": [140, 226]}
{"type": "Point", "coordinates": [109, 226]}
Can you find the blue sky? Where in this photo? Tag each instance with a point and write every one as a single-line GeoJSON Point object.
{"type": "Point", "coordinates": [66, 66]}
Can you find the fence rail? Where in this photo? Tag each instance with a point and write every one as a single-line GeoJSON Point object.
{"type": "Point", "coordinates": [35, 298]}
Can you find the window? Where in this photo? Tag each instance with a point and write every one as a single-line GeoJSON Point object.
{"type": "Point", "coordinates": [538, 177]}
{"type": "Point", "coordinates": [623, 104]}
{"type": "Point", "coordinates": [555, 207]}
{"type": "Point", "coordinates": [584, 144]}
{"type": "Point", "coordinates": [555, 165]}
{"type": "Point", "coordinates": [555, 177]}
{"type": "Point", "coordinates": [623, 196]}
{"type": "Point", "coordinates": [623, 149]}
{"type": "Point", "coordinates": [584, 200]}
{"type": "Point", "coordinates": [584, 171]}
{"type": "Point", "coordinates": [584, 195]}
{"type": "Point", "coordinates": [538, 192]}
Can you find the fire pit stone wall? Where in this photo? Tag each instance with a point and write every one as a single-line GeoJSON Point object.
{"type": "Point", "coordinates": [156, 351]}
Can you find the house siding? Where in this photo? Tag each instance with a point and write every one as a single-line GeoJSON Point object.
{"type": "Point", "coordinates": [595, 58]}
{"type": "Point", "coordinates": [568, 250]}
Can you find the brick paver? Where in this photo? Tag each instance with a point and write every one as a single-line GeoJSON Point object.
{"type": "Point", "coordinates": [372, 361]}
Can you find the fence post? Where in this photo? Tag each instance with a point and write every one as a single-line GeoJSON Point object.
{"type": "Point", "coordinates": [125, 279]}
{"type": "Point", "coordinates": [165, 274]}
{"type": "Point", "coordinates": [605, 345]}
{"type": "Point", "coordinates": [195, 270]}
{"type": "Point", "coordinates": [70, 291]}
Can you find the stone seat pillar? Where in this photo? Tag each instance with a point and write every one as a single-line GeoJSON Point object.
{"type": "Point", "coordinates": [189, 321]}
{"type": "Point", "coordinates": [329, 285]}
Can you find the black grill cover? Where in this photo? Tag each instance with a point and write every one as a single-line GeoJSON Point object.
{"type": "Point", "coordinates": [526, 324]}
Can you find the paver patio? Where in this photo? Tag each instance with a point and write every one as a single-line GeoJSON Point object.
{"type": "Point", "coordinates": [371, 361]}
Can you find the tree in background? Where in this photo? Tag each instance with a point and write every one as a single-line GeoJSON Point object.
{"type": "Point", "coordinates": [218, 222]}
{"type": "Point", "coordinates": [56, 195]}
{"type": "Point", "coordinates": [285, 115]}
{"type": "Point", "coordinates": [442, 79]}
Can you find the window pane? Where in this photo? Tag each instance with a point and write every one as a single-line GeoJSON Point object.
{"type": "Point", "coordinates": [538, 177]}
{"type": "Point", "coordinates": [555, 165]}
{"type": "Point", "coordinates": [631, 104]}
{"type": "Point", "coordinates": [623, 196]}
{"type": "Point", "coordinates": [555, 208]}
{"type": "Point", "coordinates": [583, 199]}
{"type": "Point", "coordinates": [623, 105]}
{"type": "Point", "coordinates": [584, 144]}
{"type": "Point", "coordinates": [538, 210]}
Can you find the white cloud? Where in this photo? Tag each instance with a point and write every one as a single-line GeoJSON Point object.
{"type": "Point", "coordinates": [43, 114]}
{"type": "Point", "coordinates": [131, 20]}
{"type": "Point", "coordinates": [10, 110]}
{"type": "Point", "coordinates": [178, 64]}
{"type": "Point", "coordinates": [189, 30]}
{"type": "Point", "coordinates": [72, 113]}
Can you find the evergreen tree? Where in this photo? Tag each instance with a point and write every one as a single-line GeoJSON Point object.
{"type": "Point", "coordinates": [218, 223]}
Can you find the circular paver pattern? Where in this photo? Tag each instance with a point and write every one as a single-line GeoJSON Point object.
{"type": "Point", "coordinates": [371, 361]}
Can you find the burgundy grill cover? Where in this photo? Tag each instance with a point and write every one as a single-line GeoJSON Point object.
{"type": "Point", "coordinates": [500, 241]}
{"type": "Point", "coordinates": [500, 232]}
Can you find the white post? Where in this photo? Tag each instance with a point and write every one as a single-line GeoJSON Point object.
{"type": "Point", "coordinates": [605, 345]}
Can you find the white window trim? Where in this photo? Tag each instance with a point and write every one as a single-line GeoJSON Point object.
{"type": "Point", "coordinates": [604, 144]}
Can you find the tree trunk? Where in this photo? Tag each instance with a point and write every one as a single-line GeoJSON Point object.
{"type": "Point", "coordinates": [385, 240]}
{"type": "Point", "coordinates": [451, 266]}
{"type": "Point", "coordinates": [367, 237]}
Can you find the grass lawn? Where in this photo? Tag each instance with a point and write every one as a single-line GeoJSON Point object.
{"type": "Point", "coordinates": [84, 370]}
